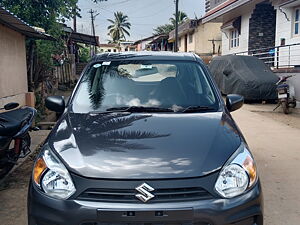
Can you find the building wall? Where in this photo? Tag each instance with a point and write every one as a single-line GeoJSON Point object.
{"type": "Point", "coordinates": [204, 33]}
{"type": "Point", "coordinates": [106, 49]}
{"type": "Point", "coordinates": [262, 26]}
{"type": "Point", "coordinates": [201, 36]}
{"type": "Point", "coordinates": [284, 30]}
{"type": "Point", "coordinates": [243, 39]}
{"type": "Point", "coordinates": [191, 47]}
{"type": "Point", "coordinates": [144, 44]}
{"type": "Point", "coordinates": [13, 70]}
{"type": "Point", "coordinates": [181, 43]}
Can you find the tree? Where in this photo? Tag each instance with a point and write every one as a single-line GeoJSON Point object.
{"type": "Point", "coordinates": [119, 27]}
{"type": "Point", "coordinates": [182, 17]}
{"type": "Point", "coordinates": [167, 28]}
{"type": "Point", "coordinates": [42, 13]}
{"type": "Point", "coordinates": [163, 29]}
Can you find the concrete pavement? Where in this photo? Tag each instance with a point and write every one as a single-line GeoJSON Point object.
{"type": "Point", "coordinates": [13, 189]}
{"type": "Point", "coordinates": [276, 148]}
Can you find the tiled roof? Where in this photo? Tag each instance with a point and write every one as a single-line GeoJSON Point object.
{"type": "Point", "coordinates": [10, 20]}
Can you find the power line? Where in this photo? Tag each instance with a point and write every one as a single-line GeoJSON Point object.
{"type": "Point", "coordinates": [158, 12]}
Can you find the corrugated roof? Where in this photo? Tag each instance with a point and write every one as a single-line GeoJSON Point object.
{"type": "Point", "coordinates": [80, 37]}
{"type": "Point", "coordinates": [185, 27]}
{"type": "Point", "coordinates": [160, 38]}
{"type": "Point", "coordinates": [13, 22]}
{"type": "Point", "coordinates": [145, 39]}
{"type": "Point", "coordinates": [84, 38]}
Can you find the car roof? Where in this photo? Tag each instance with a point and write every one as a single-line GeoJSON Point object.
{"type": "Point", "coordinates": [146, 55]}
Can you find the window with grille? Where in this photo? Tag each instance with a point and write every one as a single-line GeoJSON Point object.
{"type": "Point", "coordinates": [297, 22]}
{"type": "Point", "coordinates": [190, 38]}
{"type": "Point", "coordinates": [234, 38]}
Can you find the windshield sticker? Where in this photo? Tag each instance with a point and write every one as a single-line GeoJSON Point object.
{"type": "Point", "coordinates": [97, 65]}
{"type": "Point", "coordinates": [106, 63]}
{"type": "Point", "coordinates": [146, 67]}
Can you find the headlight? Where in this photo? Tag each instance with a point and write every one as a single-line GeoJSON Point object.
{"type": "Point", "coordinates": [238, 174]}
{"type": "Point", "coordinates": [51, 176]}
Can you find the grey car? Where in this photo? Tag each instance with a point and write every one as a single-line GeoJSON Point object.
{"type": "Point", "coordinates": [145, 138]}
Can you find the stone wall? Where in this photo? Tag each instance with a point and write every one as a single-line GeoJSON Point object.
{"type": "Point", "coordinates": [262, 25]}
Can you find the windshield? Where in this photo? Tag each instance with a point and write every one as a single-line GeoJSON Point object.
{"type": "Point", "coordinates": [173, 85]}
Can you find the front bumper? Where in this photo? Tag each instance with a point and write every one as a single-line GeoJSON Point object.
{"type": "Point", "coordinates": [246, 209]}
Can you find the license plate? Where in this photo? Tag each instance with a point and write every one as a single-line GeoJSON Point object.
{"type": "Point", "coordinates": [282, 95]}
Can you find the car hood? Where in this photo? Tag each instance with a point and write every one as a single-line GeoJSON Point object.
{"type": "Point", "coordinates": [145, 146]}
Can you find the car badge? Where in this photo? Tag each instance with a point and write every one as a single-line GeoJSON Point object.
{"type": "Point", "coordinates": [144, 192]}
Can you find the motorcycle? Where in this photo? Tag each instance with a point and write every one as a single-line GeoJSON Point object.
{"type": "Point", "coordinates": [14, 135]}
{"type": "Point", "coordinates": [286, 97]}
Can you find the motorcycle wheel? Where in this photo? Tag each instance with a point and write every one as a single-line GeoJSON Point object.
{"type": "Point", "coordinates": [25, 144]}
{"type": "Point", "coordinates": [285, 107]}
{"type": "Point", "coordinates": [12, 157]}
{"type": "Point", "coordinates": [293, 104]}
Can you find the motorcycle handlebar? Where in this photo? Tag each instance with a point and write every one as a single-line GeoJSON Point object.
{"type": "Point", "coordinates": [284, 78]}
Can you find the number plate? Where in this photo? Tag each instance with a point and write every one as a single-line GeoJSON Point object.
{"type": "Point", "coordinates": [282, 95]}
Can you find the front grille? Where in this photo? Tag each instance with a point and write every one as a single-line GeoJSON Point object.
{"type": "Point", "coordinates": [161, 195]}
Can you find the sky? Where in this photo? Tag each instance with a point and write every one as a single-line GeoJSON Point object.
{"type": "Point", "coordinates": [144, 15]}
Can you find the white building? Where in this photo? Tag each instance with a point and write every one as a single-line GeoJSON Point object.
{"type": "Point", "coordinates": [288, 31]}
{"type": "Point", "coordinates": [126, 46]}
{"type": "Point", "coordinates": [268, 29]}
{"type": "Point", "coordinates": [142, 44]}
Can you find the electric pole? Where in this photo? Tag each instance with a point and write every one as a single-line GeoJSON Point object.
{"type": "Point", "coordinates": [176, 26]}
{"type": "Point", "coordinates": [93, 28]}
{"type": "Point", "coordinates": [74, 20]}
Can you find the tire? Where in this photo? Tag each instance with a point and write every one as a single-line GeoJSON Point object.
{"type": "Point", "coordinates": [5, 168]}
{"type": "Point", "coordinates": [293, 104]}
{"type": "Point", "coordinates": [285, 107]}
{"type": "Point", "coordinates": [26, 141]}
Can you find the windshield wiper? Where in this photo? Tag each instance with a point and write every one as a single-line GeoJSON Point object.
{"type": "Point", "coordinates": [139, 109]}
{"type": "Point", "coordinates": [197, 109]}
{"type": "Point", "coordinates": [134, 109]}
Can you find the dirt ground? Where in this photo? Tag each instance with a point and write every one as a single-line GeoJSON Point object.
{"type": "Point", "coordinates": [274, 139]}
{"type": "Point", "coordinates": [13, 189]}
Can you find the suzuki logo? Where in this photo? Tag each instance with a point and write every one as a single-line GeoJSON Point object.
{"type": "Point", "coordinates": [145, 194]}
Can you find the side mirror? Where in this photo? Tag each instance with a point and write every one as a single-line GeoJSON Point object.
{"type": "Point", "coordinates": [11, 105]}
{"type": "Point", "coordinates": [234, 102]}
{"type": "Point", "coordinates": [55, 103]}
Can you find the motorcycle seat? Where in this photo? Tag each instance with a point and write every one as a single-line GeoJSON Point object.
{"type": "Point", "coordinates": [12, 121]}
{"type": "Point", "coordinates": [282, 86]}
